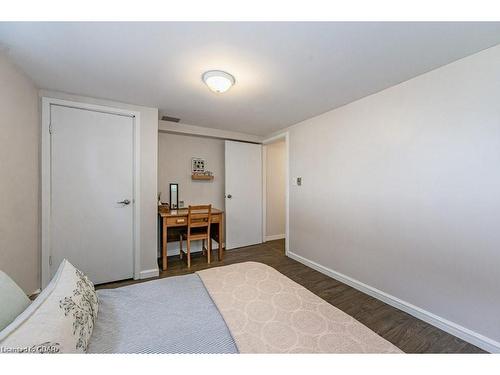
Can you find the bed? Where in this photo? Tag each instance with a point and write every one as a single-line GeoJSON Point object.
{"type": "Point", "coordinates": [246, 307]}
{"type": "Point", "coordinates": [242, 308]}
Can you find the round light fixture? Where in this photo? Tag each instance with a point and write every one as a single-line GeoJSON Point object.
{"type": "Point", "coordinates": [218, 81]}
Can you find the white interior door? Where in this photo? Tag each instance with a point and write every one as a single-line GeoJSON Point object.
{"type": "Point", "coordinates": [92, 171]}
{"type": "Point", "coordinates": [243, 194]}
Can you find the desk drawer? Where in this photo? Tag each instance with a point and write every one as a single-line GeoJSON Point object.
{"type": "Point", "coordinates": [215, 218]}
{"type": "Point", "coordinates": [177, 221]}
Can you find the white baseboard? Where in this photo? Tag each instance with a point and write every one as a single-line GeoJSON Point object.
{"type": "Point", "coordinates": [457, 330]}
{"type": "Point", "coordinates": [146, 274]}
{"type": "Point", "coordinates": [275, 237]}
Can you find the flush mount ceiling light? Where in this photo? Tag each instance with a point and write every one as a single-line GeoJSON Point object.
{"type": "Point", "coordinates": [218, 81]}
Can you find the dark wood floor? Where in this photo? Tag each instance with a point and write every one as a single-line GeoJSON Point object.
{"type": "Point", "coordinates": [403, 330]}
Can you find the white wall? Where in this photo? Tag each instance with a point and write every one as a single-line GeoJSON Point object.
{"type": "Point", "coordinates": [275, 169]}
{"type": "Point", "coordinates": [401, 191]}
{"type": "Point", "coordinates": [174, 166]}
{"type": "Point", "coordinates": [19, 171]}
{"type": "Point", "coordinates": [148, 167]}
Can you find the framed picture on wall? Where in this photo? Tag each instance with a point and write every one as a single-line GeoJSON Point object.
{"type": "Point", "coordinates": [197, 165]}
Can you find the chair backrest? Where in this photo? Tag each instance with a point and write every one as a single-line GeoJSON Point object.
{"type": "Point", "coordinates": [199, 216]}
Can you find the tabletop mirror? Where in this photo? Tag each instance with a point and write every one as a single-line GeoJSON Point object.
{"type": "Point", "coordinates": [174, 196]}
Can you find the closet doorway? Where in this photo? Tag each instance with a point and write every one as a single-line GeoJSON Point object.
{"type": "Point", "coordinates": [275, 191]}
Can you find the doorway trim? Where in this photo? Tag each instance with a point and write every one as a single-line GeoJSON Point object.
{"type": "Point", "coordinates": [285, 135]}
{"type": "Point", "coordinates": [46, 183]}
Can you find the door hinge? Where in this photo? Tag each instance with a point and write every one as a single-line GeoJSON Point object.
{"type": "Point", "coordinates": [50, 128]}
{"type": "Point", "coordinates": [50, 260]}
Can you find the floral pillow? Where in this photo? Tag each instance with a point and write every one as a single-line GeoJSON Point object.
{"type": "Point", "coordinates": [60, 320]}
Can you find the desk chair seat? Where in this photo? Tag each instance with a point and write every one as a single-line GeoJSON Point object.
{"type": "Point", "coordinates": [199, 218]}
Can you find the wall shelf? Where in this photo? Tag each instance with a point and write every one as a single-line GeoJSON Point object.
{"type": "Point", "coordinates": [201, 177]}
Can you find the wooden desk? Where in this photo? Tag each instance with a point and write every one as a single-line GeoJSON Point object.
{"type": "Point", "coordinates": [178, 218]}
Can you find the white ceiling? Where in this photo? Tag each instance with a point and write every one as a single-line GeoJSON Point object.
{"type": "Point", "coordinates": [285, 72]}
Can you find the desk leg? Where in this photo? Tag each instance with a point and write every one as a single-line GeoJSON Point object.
{"type": "Point", "coordinates": [164, 244]}
{"type": "Point", "coordinates": [221, 226]}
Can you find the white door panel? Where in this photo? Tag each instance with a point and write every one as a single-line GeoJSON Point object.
{"type": "Point", "coordinates": [92, 170]}
{"type": "Point", "coordinates": [243, 194]}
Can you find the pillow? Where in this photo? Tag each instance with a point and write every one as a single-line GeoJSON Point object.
{"type": "Point", "coordinates": [12, 299]}
{"type": "Point", "coordinates": [59, 320]}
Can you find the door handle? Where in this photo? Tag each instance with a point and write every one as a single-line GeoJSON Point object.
{"type": "Point", "coordinates": [229, 196]}
{"type": "Point", "coordinates": [125, 202]}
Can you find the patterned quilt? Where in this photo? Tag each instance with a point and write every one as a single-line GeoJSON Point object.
{"type": "Point", "coordinates": [267, 312]}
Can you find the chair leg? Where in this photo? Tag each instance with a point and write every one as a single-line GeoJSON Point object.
{"type": "Point", "coordinates": [209, 249]}
{"type": "Point", "coordinates": [189, 253]}
{"type": "Point", "coordinates": [180, 246]}
{"type": "Point", "coordinates": [203, 247]}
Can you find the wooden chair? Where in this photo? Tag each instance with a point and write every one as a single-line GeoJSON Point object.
{"type": "Point", "coordinates": [198, 229]}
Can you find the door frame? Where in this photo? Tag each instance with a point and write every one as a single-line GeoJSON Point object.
{"type": "Point", "coordinates": [46, 188]}
{"type": "Point", "coordinates": [285, 135]}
